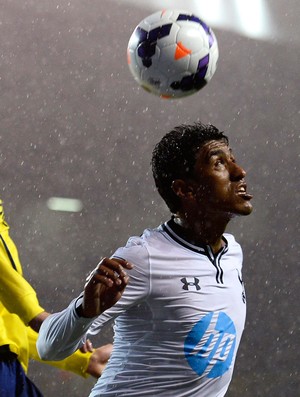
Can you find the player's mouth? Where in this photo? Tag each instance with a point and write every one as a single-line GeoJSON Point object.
{"type": "Point", "coordinates": [242, 192]}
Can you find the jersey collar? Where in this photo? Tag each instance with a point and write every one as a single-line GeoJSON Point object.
{"type": "Point", "coordinates": [175, 231]}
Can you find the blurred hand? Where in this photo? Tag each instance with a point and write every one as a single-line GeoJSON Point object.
{"type": "Point", "coordinates": [104, 286]}
{"type": "Point", "coordinates": [87, 347]}
{"type": "Point", "coordinates": [99, 360]}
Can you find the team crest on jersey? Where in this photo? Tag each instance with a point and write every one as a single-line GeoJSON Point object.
{"type": "Point", "coordinates": [190, 283]}
{"type": "Point", "coordinates": [209, 346]}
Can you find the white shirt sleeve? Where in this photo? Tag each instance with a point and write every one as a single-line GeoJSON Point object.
{"type": "Point", "coordinates": [61, 334]}
{"type": "Point", "coordinates": [138, 287]}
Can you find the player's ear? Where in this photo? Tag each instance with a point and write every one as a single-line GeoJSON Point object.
{"type": "Point", "coordinates": [183, 189]}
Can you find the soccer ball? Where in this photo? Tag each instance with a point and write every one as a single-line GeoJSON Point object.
{"type": "Point", "coordinates": [172, 53]}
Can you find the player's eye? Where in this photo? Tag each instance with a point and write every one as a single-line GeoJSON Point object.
{"type": "Point", "coordinates": [219, 161]}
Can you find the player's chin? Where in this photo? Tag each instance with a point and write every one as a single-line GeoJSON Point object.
{"type": "Point", "coordinates": [244, 209]}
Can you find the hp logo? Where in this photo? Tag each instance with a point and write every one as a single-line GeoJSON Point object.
{"type": "Point", "coordinates": [209, 346]}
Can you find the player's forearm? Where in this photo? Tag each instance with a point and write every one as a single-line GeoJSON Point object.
{"type": "Point", "coordinates": [61, 334]}
{"type": "Point", "coordinates": [37, 321]}
{"type": "Point", "coordinates": [77, 363]}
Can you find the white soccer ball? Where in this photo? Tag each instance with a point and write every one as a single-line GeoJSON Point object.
{"type": "Point", "coordinates": [172, 53]}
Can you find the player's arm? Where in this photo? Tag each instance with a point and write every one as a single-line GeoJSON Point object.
{"type": "Point", "coordinates": [61, 334]}
{"type": "Point", "coordinates": [38, 320]}
{"type": "Point", "coordinates": [16, 294]}
{"type": "Point", "coordinates": [81, 363]}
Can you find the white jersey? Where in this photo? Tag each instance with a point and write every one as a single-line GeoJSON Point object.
{"type": "Point", "coordinates": [179, 323]}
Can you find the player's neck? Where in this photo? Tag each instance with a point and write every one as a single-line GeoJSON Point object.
{"type": "Point", "coordinates": [203, 232]}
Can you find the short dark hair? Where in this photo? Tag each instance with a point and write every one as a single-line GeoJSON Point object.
{"type": "Point", "coordinates": [175, 155]}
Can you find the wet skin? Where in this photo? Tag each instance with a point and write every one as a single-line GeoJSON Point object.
{"type": "Point", "coordinates": [219, 181]}
{"type": "Point", "coordinates": [215, 193]}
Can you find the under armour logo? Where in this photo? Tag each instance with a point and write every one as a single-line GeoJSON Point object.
{"type": "Point", "coordinates": [190, 282]}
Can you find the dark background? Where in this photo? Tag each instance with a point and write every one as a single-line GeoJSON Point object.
{"type": "Point", "coordinates": [74, 124]}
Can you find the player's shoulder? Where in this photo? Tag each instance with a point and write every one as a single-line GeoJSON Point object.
{"type": "Point", "coordinates": [138, 246]}
{"type": "Point", "coordinates": [1, 210]}
{"type": "Point", "coordinates": [144, 239]}
{"type": "Point", "coordinates": [231, 241]}
{"type": "Point", "coordinates": [3, 223]}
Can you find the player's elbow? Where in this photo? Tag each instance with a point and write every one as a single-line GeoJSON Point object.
{"type": "Point", "coordinates": [45, 351]}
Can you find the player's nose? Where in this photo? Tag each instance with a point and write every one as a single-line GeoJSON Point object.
{"type": "Point", "coordinates": [237, 172]}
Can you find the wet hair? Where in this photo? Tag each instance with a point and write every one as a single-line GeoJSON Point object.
{"type": "Point", "coordinates": [174, 157]}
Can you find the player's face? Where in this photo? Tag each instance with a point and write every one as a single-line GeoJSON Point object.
{"type": "Point", "coordinates": [220, 181]}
